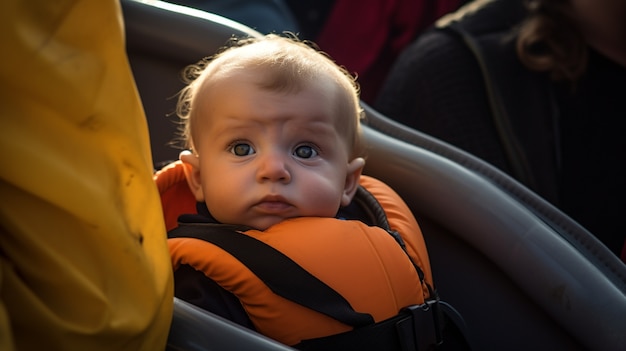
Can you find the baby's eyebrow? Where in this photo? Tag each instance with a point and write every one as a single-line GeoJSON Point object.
{"type": "Point", "coordinates": [321, 126]}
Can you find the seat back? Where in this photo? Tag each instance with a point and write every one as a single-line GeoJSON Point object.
{"type": "Point", "coordinates": [522, 274]}
{"type": "Point", "coordinates": [161, 40]}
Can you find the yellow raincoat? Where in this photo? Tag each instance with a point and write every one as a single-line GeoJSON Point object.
{"type": "Point", "coordinates": [84, 263]}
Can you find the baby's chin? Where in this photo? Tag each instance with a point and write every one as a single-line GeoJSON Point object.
{"type": "Point", "coordinates": [265, 223]}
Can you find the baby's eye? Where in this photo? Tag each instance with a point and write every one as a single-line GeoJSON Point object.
{"type": "Point", "coordinates": [242, 149]}
{"type": "Point", "coordinates": [305, 151]}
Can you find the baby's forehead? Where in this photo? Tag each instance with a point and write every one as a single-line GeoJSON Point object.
{"type": "Point", "coordinates": [266, 76]}
{"type": "Point", "coordinates": [236, 84]}
{"type": "Point", "coordinates": [257, 83]}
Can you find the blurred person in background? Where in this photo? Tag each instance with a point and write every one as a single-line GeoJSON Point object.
{"type": "Point", "coordinates": [535, 88]}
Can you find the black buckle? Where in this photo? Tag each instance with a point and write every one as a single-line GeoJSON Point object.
{"type": "Point", "coordinates": [421, 330]}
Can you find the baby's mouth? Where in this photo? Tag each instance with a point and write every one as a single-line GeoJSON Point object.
{"type": "Point", "coordinates": [273, 204]}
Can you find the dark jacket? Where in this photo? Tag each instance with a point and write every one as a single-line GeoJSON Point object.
{"type": "Point", "coordinates": [463, 83]}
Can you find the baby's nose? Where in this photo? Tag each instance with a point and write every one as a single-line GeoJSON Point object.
{"type": "Point", "coordinates": [273, 167]}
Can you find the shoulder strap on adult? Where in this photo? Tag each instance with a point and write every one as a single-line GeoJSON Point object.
{"type": "Point", "coordinates": [291, 282]}
{"type": "Point", "coordinates": [528, 128]}
{"type": "Point", "coordinates": [512, 147]}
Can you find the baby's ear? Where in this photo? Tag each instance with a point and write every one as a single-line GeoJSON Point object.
{"type": "Point", "coordinates": [191, 167]}
{"type": "Point", "coordinates": [355, 167]}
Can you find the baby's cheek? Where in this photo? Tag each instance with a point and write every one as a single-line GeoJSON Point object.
{"type": "Point", "coordinates": [324, 202]}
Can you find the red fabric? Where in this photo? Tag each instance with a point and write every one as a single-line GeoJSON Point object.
{"type": "Point", "coordinates": [366, 37]}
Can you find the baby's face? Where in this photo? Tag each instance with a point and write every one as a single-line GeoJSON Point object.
{"type": "Point", "coordinates": [267, 156]}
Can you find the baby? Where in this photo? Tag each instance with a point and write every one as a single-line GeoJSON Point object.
{"type": "Point", "coordinates": [273, 128]}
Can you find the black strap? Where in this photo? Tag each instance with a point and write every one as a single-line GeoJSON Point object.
{"type": "Point", "coordinates": [512, 147]}
{"type": "Point", "coordinates": [415, 328]}
{"type": "Point", "coordinates": [289, 281]}
{"type": "Point", "coordinates": [368, 203]}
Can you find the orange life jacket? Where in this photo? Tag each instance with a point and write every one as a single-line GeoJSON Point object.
{"type": "Point", "coordinates": [364, 264]}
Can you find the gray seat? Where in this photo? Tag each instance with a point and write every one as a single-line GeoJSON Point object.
{"type": "Point", "coordinates": [523, 275]}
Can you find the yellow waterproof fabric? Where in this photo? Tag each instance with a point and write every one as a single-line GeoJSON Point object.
{"type": "Point", "coordinates": [84, 263]}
